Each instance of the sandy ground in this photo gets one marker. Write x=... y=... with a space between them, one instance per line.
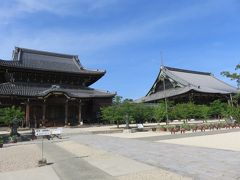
x=19 y=157
x=39 y=173
x=143 y=134
x=67 y=130
x=227 y=141
x=120 y=167
x=137 y=134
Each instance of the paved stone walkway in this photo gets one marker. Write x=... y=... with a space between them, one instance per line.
x=197 y=162
x=39 y=173
x=185 y=135
x=70 y=167
x=120 y=167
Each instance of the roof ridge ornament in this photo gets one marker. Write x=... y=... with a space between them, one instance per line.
x=54 y=86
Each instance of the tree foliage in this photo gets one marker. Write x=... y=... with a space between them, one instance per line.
x=9 y=114
x=233 y=76
x=236 y=114
x=160 y=112
x=217 y=109
x=142 y=112
x=128 y=111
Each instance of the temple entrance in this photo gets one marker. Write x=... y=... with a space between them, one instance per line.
x=55 y=114
x=35 y=116
x=55 y=110
x=73 y=115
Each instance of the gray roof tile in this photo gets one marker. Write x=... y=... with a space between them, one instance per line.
x=37 y=90
x=42 y=60
x=190 y=80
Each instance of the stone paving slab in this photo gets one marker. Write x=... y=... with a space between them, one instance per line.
x=186 y=135
x=226 y=141
x=197 y=162
x=40 y=173
x=71 y=167
x=118 y=166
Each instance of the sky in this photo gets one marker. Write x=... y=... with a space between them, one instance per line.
x=128 y=37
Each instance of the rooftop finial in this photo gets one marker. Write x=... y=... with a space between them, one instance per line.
x=162 y=65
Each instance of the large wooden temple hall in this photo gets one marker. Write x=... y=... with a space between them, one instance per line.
x=181 y=86
x=52 y=88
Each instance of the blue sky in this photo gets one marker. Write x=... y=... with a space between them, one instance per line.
x=125 y=37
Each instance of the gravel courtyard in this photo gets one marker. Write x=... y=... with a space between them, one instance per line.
x=129 y=156
x=19 y=157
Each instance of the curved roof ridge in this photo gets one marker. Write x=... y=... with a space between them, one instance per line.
x=164 y=69
x=105 y=91
x=187 y=71
x=33 y=51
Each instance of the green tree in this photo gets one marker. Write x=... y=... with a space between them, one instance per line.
x=127 y=109
x=236 y=114
x=203 y=112
x=190 y=110
x=218 y=109
x=233 y=76
x=113 y=114
x=236 y=100
x=160 y=112
x=142 y=112
x=8 y=114
x=183 y=111
x=117 y=100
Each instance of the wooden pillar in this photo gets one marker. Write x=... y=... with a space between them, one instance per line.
x=27 y=114
x=231 y=100
x=44 y=113
x=66 y=112
x=80 y=113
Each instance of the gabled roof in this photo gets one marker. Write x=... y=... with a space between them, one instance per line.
x=187 y=80
x=48 y=61
x=40 y=90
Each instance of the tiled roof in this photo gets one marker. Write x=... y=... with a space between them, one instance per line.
x=38 y=90
x=189 y=80
x=201 y=81
x=49 y=61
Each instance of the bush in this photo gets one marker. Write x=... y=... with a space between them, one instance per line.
x=218 y=109
x=160 y=112
x=1 y=140
x=120 y=112
x=236 y=114
x=8 y=114
x=187 y=127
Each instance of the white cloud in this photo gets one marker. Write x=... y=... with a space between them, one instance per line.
x=15 y=9
x=66 y=40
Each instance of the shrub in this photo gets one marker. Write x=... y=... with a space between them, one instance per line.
x=218 y=109
x=8 y=114
x=160 y=112
x=186 y=126
x=1 y=140
x=236 y=114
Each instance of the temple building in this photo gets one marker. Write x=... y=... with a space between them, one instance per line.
x=181 y=86
x=52 y=88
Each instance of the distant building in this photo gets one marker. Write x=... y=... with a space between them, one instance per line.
x=52 y=88
x=187 y=86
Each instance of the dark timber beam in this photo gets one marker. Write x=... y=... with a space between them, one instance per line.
x=66 y=112
x=27 y=113
x=80 y=113
x=44 y=112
